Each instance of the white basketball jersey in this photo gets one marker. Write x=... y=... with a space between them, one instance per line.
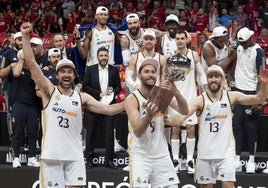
x=216 y=140
x=152 y=144
x=99 y=39
x=62 y=125
x=187 y=86
x=134 y=44
x=168 y=45
x=220 y=54
x=245 y=71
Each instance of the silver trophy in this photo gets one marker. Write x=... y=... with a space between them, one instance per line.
x=177 y=68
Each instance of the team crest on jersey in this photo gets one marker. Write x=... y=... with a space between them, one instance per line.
x=110 y=33
x=224 y=105
x=207 y=107
x=57 y=97
x=75 y=103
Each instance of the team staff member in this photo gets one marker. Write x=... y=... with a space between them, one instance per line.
x=54 y=55
x=97 y=79
x=62 y=160
x=26 y=112
x=216 y=146
x=150 y=161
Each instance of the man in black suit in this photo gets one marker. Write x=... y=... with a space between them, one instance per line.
x=97 y=79
x=58 y=41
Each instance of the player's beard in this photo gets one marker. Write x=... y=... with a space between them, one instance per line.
x=134 y=31
x=148 y=82
x=214 y=89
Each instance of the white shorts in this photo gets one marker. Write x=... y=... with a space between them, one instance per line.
x=55 y=173
x=192 y=120
x=210 y=170
x=157 y=172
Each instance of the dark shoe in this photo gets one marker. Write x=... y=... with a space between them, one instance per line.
x=110 y=164
x=183 y=151
x=89 y=165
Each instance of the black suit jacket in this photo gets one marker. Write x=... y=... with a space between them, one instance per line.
x=91 y=83
x=70 y=53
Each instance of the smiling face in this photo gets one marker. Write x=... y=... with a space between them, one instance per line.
x=214 y=81
x=147 y=76
x=133 y=27
x=65 y=76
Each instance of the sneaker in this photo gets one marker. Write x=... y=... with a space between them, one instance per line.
x=250 y=167
x=238 y=166
x=190 y=167
x=183 y=151
x=118 y=147
x=265 y=171
x=33 y=162
x=126 y=168
x=177 y=169
x=16 y=163
x=176 y=165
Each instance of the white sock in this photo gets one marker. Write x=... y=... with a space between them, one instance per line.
x=252 y=158
x=167 y=133
x=175 y=147
x=183 y=135
x=237 y=158
x=190 y=146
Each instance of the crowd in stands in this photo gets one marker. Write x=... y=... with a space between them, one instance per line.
x=195 y=16
x=61 y=16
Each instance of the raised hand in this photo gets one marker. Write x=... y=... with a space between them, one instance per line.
x=263 y=76
x=26 y=28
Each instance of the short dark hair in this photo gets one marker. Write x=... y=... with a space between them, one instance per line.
x=103 y=48
x=182 y=32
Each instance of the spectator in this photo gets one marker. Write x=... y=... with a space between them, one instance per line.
x=250 y=7
x=224 y=18
x=234 y=8
x=2 y=103
x=116 y=14
x=142 y=13
x=4 y=23
x=264 y=15
x=156 y=16
x=200 y=21
x=55 y=23
x=129 y=8
x=41 y=26
x=247 y=70
x=97 y=80
x=71 y=19
x=184 y=21
x=213 y=18
x=172 y=9
x=241 y=18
